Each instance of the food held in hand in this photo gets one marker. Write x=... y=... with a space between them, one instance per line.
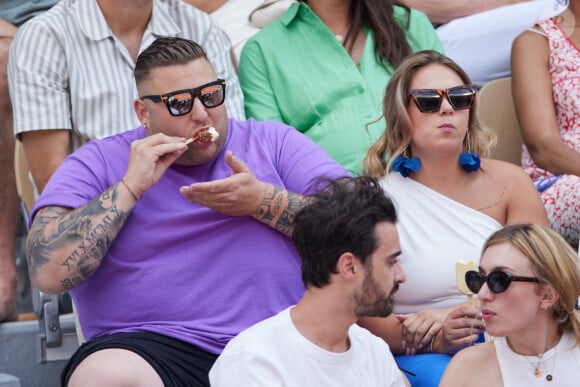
x=462 y=267
x=205 y=136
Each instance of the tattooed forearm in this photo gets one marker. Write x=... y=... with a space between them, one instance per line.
x=278 y=208
x=98 y=239
x=76 y=240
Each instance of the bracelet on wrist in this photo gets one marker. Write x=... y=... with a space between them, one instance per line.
x=130 y=190
x=433 y=343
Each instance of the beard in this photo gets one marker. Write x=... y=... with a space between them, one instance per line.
x=373 y=301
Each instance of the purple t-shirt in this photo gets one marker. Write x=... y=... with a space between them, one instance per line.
x=181 y=269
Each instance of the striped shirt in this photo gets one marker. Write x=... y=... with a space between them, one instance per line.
x=68 y=71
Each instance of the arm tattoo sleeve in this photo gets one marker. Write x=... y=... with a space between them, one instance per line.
x=77 y=240
x=278 y=208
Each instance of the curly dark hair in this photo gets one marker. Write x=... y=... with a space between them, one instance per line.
x=341 y=218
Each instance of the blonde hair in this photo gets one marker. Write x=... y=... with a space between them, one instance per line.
x=553 y=262
x=397 y=135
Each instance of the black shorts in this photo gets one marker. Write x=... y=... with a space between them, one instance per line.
x=178 y=363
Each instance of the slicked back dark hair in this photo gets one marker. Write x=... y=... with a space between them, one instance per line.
x=341 y=218
x=163 y=52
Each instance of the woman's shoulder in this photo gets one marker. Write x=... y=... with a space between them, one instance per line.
x=503 y=169
x=522 y=203
x=476 y=353
x=530 y=38
x=471 y=366
x=508 y=175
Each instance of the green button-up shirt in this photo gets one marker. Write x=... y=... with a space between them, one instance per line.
x=295 y=71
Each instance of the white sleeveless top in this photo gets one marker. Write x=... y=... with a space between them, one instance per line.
x=561 y=362
x=444 y=232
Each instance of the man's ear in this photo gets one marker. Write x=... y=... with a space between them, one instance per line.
x=348 y=265
x=141 y=111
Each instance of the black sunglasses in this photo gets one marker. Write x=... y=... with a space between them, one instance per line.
x=497 y=281
x=180 y=102
x=429 y=100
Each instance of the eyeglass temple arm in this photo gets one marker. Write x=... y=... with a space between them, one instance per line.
x=524 y=279
x=155 y=98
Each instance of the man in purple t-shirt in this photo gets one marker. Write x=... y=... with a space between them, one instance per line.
x=170 y=247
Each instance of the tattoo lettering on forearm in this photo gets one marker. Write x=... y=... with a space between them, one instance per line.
x=92 y=229
x=279 y=207
x=96 y=243
x=69 y=283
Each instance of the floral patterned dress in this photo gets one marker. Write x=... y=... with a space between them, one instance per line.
x=561 y=194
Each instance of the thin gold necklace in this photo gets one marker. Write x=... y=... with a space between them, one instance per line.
x=536 y=367
x=537 y=371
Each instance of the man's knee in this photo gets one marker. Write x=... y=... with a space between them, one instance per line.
x=114 y=367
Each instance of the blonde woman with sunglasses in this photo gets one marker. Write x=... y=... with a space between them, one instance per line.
x=450 y=199
x=528 y=284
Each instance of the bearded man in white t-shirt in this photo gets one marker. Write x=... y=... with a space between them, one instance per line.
x=349 y=246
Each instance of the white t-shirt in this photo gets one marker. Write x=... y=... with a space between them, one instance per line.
x=274 y=353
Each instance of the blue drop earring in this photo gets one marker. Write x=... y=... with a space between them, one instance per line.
x=405 y=165
x=469 y=161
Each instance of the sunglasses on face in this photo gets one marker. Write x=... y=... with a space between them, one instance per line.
x=497 y=281
x=180 y=102
x=429 y=100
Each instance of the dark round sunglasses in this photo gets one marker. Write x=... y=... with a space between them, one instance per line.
x=180 y=102
x=497 y=281
x=429 y=100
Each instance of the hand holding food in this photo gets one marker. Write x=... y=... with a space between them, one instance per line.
x=205 y=136
x=461 y=267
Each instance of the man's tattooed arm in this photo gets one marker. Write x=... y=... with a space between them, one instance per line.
x=66 y=246
x=278 y=208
